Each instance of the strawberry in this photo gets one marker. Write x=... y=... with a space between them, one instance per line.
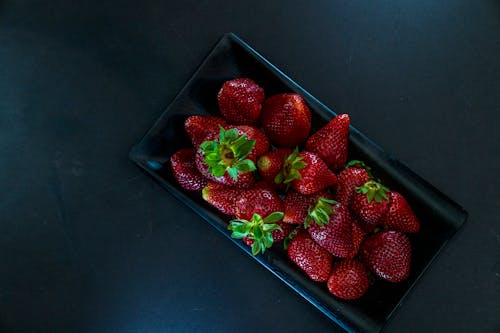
x=278 y=235
x=184 y=170
x=261 y=199
x=331 y=141
x=355 y=174
x=388 y=255
x=334 y=233
x=400 y=216
x=261 y=142
x=225 y=158
x=258 y=229
x=221 y=197
x=270 y=164
x=240 y=101
x=370 y=204
x=314 y=260
x=286 y=120
x=199 y=127
x=348 y=280
x=306 y=173
x=358 y=235
x=297 y=207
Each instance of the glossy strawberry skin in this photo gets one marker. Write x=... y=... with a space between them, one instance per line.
x=221 y=197
x=348 y=280
x=331 y=141
x=286 y=120
x=315 y=176
x=314 y=260
x=369 y=214
x=185 y=171
x=261 y=142
x=347 y=181
x=336 y=235
x=240 y=101
x=271 y=163
x=261 y=199
x=358 y=235
x=199 y=127
x=296 y=205
x=400 y=216
x=388 y=255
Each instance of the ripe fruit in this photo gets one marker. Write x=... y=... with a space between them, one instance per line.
x=335 y=235
x=358 y=235
x=278 y=234
x=297 y=207
x=286 y=120
x=253 y=133
x=310 y=257
x=388 y=255
x=400 y=216
x=355 y=174
x=313 y=177
x=260 y=200
x=185 y=171
x=259 y=229
x=331 y=141
x=224 y=158
x=348 y=280
x=240 y=101
x=370 y=204
x=270 y=164
x=199 y=127
x=221 y=197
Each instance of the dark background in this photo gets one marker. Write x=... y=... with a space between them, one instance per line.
x=88 y=243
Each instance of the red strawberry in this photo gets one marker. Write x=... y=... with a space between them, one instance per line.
x=240 y=101
x=199 y=127
x=298 y=206
x=258 y=231
x=228 y=158
x=358 y=235
x=331 y=141
x=400 y=216
x=278 y=235
x=286 y=120
x=270 y=164
x=388 y=255
x=335 y=234
x=184 y=170
x=313 y=177
x=260 y=199
x=253 y=133
x=348 y=280
x=370 y=204
x=310 y=257
x=355 y=174
x=221 y=197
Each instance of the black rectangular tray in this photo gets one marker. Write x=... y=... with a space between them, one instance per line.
x=231 y=57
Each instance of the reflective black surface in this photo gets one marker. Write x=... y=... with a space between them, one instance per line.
x=88 y=243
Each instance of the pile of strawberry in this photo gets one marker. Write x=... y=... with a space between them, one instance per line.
x=338 y=224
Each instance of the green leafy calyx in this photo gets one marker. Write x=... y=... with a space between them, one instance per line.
x=258 y=229
x=228 y=153
x=320 y=212
x=290 y=236
x=291 y=166
x=373 y=191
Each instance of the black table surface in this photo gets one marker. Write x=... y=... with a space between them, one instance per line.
x=89 y=243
